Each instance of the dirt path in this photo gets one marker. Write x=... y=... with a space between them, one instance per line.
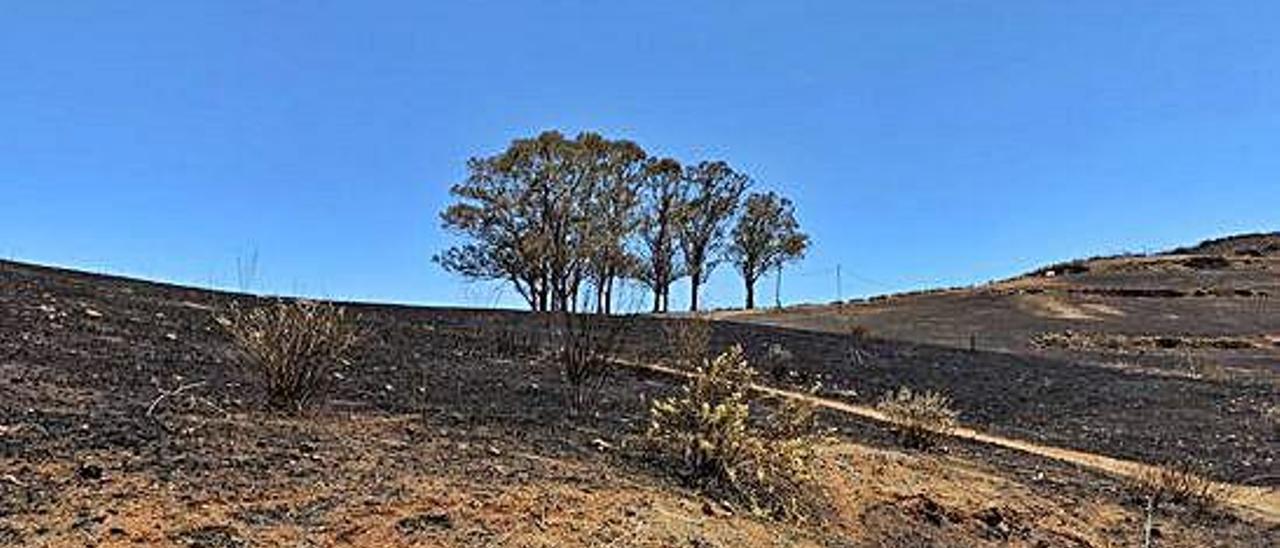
x=1261 y=503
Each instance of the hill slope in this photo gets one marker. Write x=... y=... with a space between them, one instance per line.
x=433 y=438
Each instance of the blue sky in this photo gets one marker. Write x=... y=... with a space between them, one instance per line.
x=925 y=143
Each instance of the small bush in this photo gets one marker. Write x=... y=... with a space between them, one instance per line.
x=778 y=360
x=921 y=419
x=1205 y=368
x=855 y=354
x=1179 y=484
x=688 y=342
x=292 y=347
x=588 y=345
x=708 y=433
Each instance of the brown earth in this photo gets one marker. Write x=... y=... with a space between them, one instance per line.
x=444 y=432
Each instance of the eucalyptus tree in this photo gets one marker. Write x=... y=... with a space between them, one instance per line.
x=766 y=237
x=663 y=197
x=715 y=191
x=519 y=212
x=547 y=215
x=613 y=215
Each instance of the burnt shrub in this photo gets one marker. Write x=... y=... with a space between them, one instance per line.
x=688 y=342
x=1180 y=483
x=588 y=346
x=292 y=347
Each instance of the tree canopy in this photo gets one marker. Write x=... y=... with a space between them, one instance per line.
x=766 y=237
x=552 y=216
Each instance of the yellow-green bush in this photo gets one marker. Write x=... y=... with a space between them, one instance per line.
x=707 y=430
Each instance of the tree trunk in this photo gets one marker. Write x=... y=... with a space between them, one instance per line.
x=600 y=298
x=608 y=296
x=751 y=294
x=693 y=299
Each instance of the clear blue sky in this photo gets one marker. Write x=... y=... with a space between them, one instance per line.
x=925 y=143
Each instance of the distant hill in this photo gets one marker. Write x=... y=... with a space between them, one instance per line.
x=1256 y=245
x=1225 y=287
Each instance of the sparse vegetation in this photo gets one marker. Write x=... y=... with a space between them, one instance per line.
x=1179 y=484
x=688 y=342
x=1205 y=368
x=854 y=352
x=1122 y=343
x=708 y=433
x=588 y=345
x=921 y=419
x=292 y=346
x=778 y=360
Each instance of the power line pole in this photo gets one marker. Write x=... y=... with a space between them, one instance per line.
x=839 y=286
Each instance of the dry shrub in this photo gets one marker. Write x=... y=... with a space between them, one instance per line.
x=1205 y=368
x=855 y=353
x=688 y=342
x=921 y=419
x=766 y=466
x=292 y=347
x=588 y=345
x=1181 y=484
x=777 y=361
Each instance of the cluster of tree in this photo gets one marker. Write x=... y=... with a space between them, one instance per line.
x=562 y=218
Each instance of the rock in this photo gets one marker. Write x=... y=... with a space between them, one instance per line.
x=89 y=472
x=437 y=519
x=715 y=509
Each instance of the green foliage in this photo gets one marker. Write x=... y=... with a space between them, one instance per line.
x=708 y=433
x=552 y=215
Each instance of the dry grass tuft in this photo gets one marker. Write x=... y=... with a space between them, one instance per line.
x=292 y=347
x=921 y=419
x=707 y=431
x=1179 y=484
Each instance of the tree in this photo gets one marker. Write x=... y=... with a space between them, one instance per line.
x=715 y=191
x=521 y=211
x=662 y=202
x=767 y=236
x=497 y=213
x=547 y=215
x=617 y=171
